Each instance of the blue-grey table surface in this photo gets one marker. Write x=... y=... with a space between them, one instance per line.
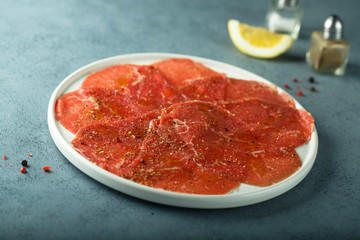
x=41 y=42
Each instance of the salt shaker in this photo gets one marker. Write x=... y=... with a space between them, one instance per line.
x=284 y=16
x=329 y=51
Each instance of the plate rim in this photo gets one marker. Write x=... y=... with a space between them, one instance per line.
x=131 y=188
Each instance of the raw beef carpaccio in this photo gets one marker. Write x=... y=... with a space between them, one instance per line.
x=116 y=92
x=180 y=126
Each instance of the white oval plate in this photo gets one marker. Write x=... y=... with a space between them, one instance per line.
x=245 y=195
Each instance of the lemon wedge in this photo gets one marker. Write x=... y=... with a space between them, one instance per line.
x=258 y=42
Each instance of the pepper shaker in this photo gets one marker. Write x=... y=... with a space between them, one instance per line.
x=329 y=51
x=284 y=16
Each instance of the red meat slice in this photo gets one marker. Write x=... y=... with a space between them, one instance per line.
x=95 y=105
x=210 y=89
x=243 y=89
x=92 y=104
x=270 y=164
x=114 y=146
x=272 y=123
x=181 y=71
x=117 y=76
x=145 y=83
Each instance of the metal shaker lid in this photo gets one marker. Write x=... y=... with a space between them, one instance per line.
x=288 y=3
x=333 y=28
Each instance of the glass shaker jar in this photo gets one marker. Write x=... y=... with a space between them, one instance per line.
x=329 y=50
x=284 y=16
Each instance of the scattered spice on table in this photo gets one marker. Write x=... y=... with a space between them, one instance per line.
x=24 y=164
x=300 y=93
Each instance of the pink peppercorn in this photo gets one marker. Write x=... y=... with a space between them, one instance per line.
x=46 y=168
x=300 y=93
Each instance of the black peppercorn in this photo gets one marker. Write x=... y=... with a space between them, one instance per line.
x=24 y=163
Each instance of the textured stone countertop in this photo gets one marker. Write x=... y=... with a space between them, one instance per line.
x=42 y=42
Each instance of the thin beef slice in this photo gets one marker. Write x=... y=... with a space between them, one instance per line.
x=181 y=71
